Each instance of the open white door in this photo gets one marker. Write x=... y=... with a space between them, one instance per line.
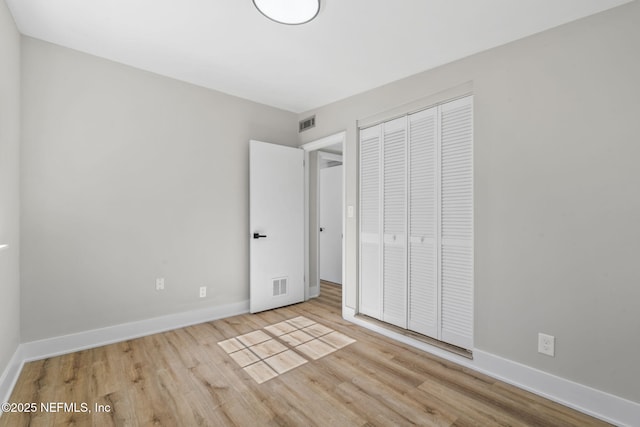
x=276 y=225
x=331 y=224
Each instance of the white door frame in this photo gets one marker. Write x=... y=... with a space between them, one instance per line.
x=337 y=138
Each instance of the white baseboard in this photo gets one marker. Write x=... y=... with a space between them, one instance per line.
x=599 y=404
x=605 y=406
x=314 y=292
x=10 y=376
x=50 y=347
x=348 y=313
x=56 y=346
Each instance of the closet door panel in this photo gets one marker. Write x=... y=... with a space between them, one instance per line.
x=370 y=182
x=457 y=222
x=394 y=219
x=422 y=316
x=416 y=222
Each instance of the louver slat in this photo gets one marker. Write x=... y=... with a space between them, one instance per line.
x=457 y=223
x=394 y=223
x=423 y=287
x=370 y=221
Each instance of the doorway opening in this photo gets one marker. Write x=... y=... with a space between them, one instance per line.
x=330 y=217
x=328 y=155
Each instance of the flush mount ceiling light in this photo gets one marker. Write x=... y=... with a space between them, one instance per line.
x=290 y=12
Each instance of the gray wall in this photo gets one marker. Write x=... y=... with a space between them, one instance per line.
x=9 y=186
x=557 y=237
x=128 y=176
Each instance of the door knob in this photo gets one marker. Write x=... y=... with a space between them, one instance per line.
x=321 y=229
x=258 y=235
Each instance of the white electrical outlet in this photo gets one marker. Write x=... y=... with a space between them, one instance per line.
x=160 y=284
x=203 y=291
x=546 y=344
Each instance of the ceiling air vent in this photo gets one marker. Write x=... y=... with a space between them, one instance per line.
x=308 y=123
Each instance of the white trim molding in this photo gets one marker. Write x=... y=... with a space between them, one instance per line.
x=56 y=346
x=10 y=375
x=607 y=407
x=599 y=404
x=327 y=141
x=50 y=347
x=317 y=145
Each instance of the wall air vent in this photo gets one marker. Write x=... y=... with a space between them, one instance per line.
x=279 y=286
x=308 y=123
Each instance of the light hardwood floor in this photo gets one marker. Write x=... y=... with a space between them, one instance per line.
x=184 y=378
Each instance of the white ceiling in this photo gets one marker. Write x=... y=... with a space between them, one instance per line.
x=352 y=46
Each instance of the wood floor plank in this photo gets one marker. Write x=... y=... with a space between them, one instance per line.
x=184 y=378
x=385 y=394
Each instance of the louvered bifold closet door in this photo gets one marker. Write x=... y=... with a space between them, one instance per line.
x=370 y=266
x=422 y=315
x=394 y=219
x=457 y=223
